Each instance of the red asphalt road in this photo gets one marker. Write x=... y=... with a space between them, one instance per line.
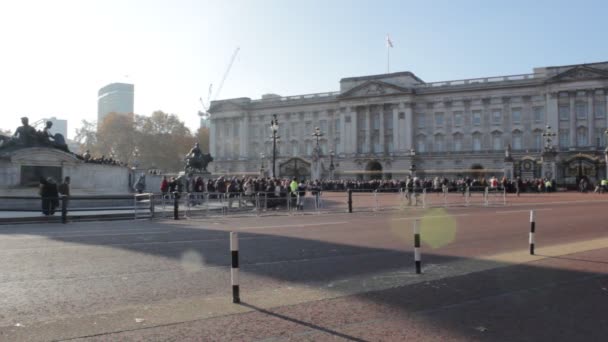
x=554 y=299
x=559 y=299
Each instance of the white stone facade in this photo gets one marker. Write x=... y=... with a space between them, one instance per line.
x=375 y=122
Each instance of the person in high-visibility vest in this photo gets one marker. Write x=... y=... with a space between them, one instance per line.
x=293 y=186
x=604 y=184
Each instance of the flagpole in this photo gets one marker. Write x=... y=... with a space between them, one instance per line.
x=388 y=58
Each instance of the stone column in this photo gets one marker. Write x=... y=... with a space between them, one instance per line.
x=354 y=130
x=342 y=134
x=381 y=130
x=396 y=131
x=409 y=126
x=244 y=136
x=212 y=136
x=590 y=119
x=572 y=97
x=552 y=115
x=368 y=143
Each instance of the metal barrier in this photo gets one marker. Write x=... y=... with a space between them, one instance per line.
x=136 y=206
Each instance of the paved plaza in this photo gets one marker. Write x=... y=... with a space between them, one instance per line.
x=331 y=276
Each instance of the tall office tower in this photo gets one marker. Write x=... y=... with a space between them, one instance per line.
x=114 y=98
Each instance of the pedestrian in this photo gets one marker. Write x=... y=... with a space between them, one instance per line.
x=49 y=195
x=64 y=187
x=164 y=186
x=301 y=194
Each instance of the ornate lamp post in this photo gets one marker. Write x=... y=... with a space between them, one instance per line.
x=317 y=134
x=413 y=166
x=331 y=164
x=548 y=136
x=274 y=128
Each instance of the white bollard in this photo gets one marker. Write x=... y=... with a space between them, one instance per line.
x=532 y=231
x=417 y=256
x=234 y=270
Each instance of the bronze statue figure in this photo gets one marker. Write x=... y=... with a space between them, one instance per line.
x=196 y=160
x=27 y=136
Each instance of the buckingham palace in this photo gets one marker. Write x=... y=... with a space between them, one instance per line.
x=550 y=123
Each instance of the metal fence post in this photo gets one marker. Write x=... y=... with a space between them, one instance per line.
x=176 y=205
x=151 y=205
x=350 y=201
x=64 y=209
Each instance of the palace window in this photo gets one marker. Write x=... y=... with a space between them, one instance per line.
x=308 y=147
x=564 y=138
x=294 y=128
x=439 y=143
x=457 y=119
x=295 y=148
x=476 y=118
x=600 y=109
x=581 y=136
x=516 y=116
x=420 y=144
x=308 y=129
x=323 y=126
x=564 y=112
x=496 y=117
x=420 y=120
x=538 y=114
x=438 y=119
x=496 y=141
x=457 y=142
x=538 y=139
x=517 y=140
x=337 y=127
x=600 y=137
x=477 y=142
x=581 y=110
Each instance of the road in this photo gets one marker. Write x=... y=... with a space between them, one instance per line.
x=326 y=277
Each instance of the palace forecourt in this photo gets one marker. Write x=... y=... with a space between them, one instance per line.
x=550 y=123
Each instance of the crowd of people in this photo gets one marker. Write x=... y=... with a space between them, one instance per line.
x=87 y=158
x=283 y=186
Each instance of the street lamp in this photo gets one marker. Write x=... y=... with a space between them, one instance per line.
x=274 y=128
x=317 y=134
x=331 y=164
x=413 y=166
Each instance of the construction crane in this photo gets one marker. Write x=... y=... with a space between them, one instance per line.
x=205 y=112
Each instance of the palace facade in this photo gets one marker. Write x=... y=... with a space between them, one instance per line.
x=388 y=125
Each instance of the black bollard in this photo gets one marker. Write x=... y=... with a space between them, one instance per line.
x=350 y=201
x=176 y=206
x=64 y=209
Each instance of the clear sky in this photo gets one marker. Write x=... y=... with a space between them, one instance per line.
x=55 y=55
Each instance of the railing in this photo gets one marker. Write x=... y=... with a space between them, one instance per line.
x=483 y=80
x=135 y=206
x=297 y=97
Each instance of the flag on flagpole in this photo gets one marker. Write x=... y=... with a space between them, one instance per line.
x=389 y=43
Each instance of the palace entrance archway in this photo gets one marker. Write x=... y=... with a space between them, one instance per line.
x=295 y=168
x=373 y=170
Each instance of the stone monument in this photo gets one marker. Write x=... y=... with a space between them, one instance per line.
x=30 y=155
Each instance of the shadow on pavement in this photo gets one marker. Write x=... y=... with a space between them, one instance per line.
x=533 y=299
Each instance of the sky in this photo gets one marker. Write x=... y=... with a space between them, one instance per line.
x=55 y=55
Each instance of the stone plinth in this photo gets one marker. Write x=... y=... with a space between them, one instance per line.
x=45 y=162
